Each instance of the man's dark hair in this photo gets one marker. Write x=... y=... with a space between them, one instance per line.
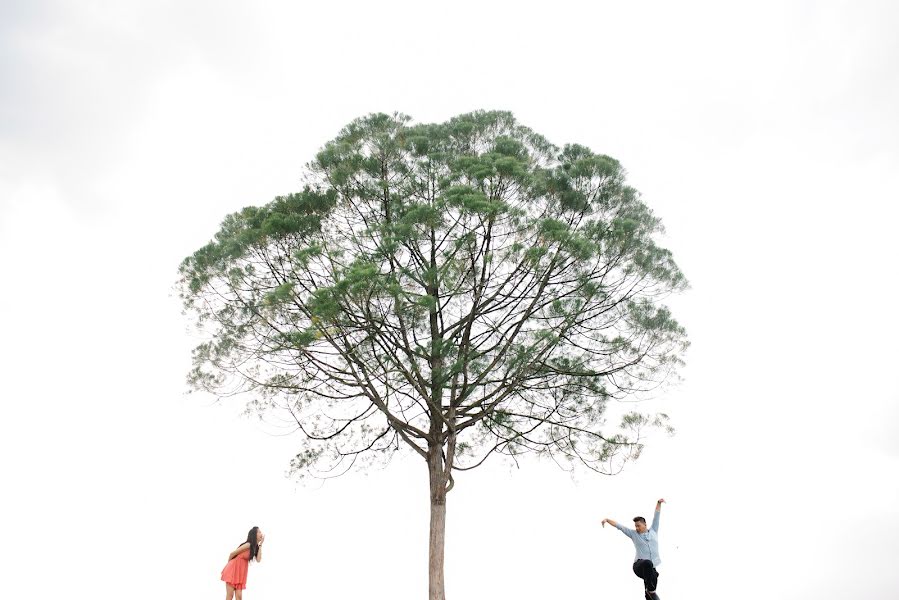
x=640 y=520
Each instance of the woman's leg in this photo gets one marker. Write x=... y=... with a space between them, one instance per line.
x=239 y=594
x=229 y=591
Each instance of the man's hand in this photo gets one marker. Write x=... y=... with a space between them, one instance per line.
x=661 y=501
x=610 y=522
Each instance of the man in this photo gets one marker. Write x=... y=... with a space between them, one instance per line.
x=646 y=541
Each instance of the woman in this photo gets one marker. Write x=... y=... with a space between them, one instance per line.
x=235 y=572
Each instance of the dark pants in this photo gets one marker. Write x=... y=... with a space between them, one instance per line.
x=644 y=570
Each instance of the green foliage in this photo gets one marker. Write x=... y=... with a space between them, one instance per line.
x=464 y=283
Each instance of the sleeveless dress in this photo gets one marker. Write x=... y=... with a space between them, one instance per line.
x=235 y=572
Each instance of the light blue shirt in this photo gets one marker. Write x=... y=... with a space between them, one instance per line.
x=647 y=544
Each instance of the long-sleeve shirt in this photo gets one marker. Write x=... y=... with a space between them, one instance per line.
x=647 y=544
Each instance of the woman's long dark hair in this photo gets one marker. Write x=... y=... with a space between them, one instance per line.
x=254 y=546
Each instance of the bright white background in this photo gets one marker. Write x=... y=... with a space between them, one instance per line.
x=765 y=134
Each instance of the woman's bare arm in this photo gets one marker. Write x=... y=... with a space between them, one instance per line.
x=240 y=549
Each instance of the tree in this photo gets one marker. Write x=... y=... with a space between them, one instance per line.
x=460 y=289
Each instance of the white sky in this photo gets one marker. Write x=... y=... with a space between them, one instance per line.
x=766 y=137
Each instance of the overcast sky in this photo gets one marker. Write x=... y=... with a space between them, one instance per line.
x=766 y=137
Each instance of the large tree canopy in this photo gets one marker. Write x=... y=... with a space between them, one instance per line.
x=465 y=285
x=463 y=289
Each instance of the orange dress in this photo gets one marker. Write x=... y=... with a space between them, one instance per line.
x=235 y=572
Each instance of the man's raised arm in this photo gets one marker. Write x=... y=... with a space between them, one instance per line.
x=656 y=514
x=628 y=532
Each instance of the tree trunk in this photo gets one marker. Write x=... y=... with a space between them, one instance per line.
x=438 y=525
